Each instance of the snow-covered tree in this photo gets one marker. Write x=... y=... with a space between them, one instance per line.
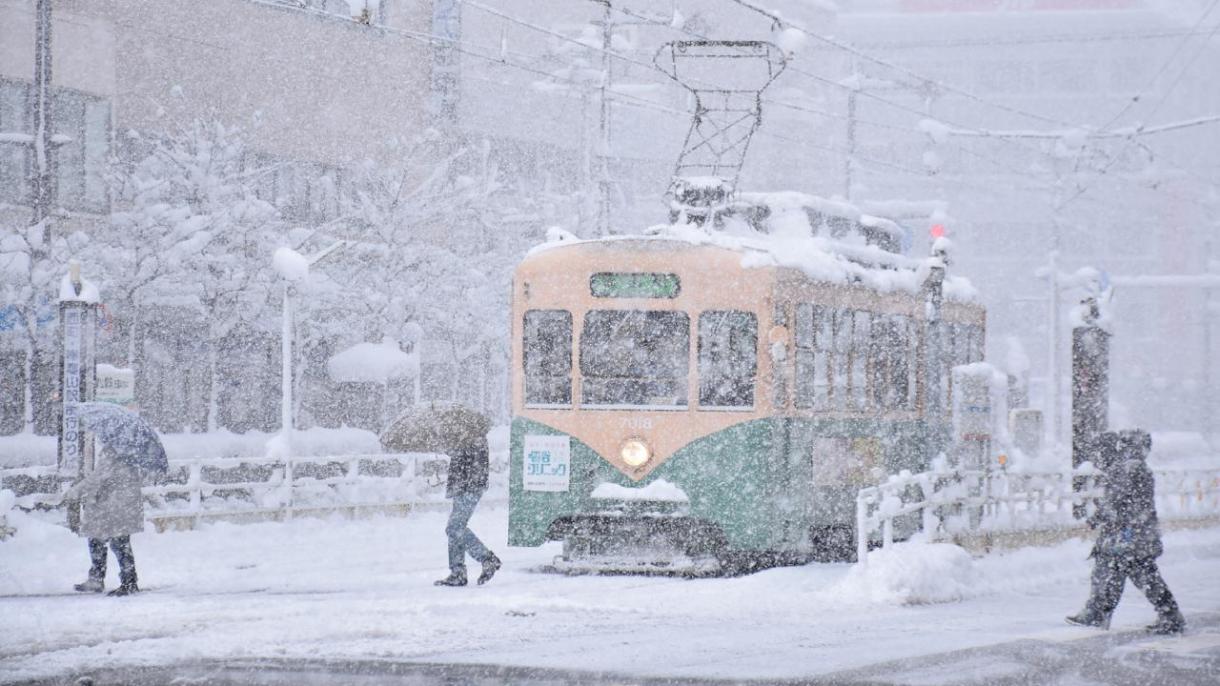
x=33 y=260
x=426 y=253
x=194 y=228
x=408 y=222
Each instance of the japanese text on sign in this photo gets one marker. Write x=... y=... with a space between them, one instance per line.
x=547 y=463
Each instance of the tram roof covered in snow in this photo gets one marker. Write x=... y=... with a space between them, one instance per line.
x=791 y=244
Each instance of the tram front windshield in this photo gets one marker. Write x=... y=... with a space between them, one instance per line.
x=635 y=358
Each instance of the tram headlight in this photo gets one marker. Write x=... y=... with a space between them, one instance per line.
x=635 y=452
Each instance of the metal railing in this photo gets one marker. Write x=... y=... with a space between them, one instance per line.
x=946 y=504
x=231 y=487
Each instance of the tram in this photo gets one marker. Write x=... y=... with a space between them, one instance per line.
x=698 y=400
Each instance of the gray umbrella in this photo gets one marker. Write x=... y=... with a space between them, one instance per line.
x=128 y=435
x=436 y=428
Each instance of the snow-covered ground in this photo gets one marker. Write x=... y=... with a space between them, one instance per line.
x=362 y=590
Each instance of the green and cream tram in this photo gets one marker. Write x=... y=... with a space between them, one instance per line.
x=680 y=402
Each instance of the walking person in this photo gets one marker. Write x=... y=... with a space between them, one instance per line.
x=1128 y=536
x=467 y=481
x=111 y=509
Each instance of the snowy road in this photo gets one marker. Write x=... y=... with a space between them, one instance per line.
x=360 y=593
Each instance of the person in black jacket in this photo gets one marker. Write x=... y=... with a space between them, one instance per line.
x=1128 y=536
x=467 y=482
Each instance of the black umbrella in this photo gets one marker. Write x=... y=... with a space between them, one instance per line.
x=437 y=428
x=126 y=434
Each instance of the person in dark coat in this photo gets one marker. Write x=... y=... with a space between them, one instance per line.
x=1128 y=536
x=468 y=467
x=111 y=509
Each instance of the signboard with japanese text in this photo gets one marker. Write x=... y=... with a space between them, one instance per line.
x=547 y=463
x=116 y=385
x=77 y=383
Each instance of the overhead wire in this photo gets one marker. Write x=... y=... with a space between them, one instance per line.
x=1081 y=190
x=780 y=21
x=867 y=94
x=500 y=59
x=1164 y=66
x=656 y=106
x=910 y=73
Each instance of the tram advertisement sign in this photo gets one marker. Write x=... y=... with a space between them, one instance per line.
x=548 y=462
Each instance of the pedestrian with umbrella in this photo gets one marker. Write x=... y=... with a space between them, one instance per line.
x=108 y=499
x=460 y=433
x=1128 y=536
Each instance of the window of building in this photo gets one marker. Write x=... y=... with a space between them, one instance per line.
x=635 y=358
x=80 y=161
x=547 y=354
x=728 y=358
x=302 y=191
x=13 y=185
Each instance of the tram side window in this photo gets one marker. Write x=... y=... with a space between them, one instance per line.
x=892 y=357
x=635 y=358
x=814 y=350
x=842 y=359
x=728 y=358
x=975 y=350
x=914 y=330
x=861 y=348
x=548 y=357
x=948 y=357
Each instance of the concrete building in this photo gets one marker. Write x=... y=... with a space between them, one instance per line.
x=317 y=89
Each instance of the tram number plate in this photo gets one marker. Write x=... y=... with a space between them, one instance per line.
x=547 y=463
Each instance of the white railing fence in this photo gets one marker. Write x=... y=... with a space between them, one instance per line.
x=233 y=487
x=947 y=504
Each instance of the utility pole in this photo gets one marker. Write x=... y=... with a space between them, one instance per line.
x=603 y=209
x=1052 y=381
x=40 y=106
x=850 y=163
x=1211 y=312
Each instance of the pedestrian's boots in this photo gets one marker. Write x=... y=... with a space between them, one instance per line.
x=1172 y=624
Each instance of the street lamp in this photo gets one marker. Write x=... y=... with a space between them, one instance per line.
x=294 y=268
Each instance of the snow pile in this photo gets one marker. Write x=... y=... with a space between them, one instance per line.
x=88 y=293
x=657 y=491
x=372 y=363
x=290 y=264
x=277 y=447
x=791 y=40
x=307 y=442
x=1180 y=449
x=8 y=500
x=27 y=450
x=911 y=573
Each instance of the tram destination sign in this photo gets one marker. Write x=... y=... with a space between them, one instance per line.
x=634 y=285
